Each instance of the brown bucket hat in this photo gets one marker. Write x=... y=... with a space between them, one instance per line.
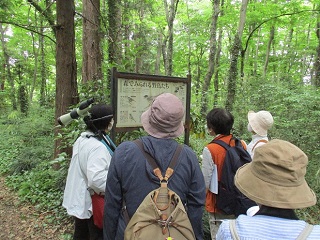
x=275 y=177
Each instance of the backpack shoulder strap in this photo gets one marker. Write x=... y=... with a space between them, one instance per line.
x=233 y=230
x=305 y=232
x=226 y=146
x=150 y=159
x=222 y=144
x=173 y=162
x=154 y=165
x=261 y=140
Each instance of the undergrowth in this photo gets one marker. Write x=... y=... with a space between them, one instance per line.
x=26 y=161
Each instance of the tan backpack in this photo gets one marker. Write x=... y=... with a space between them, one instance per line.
x=161 y=215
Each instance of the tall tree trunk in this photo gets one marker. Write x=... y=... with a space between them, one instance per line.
x=8 y=69
x=305 y=64
x=138 y=56
x=211 y=60
x=114 y=38
x=291 y=55
x=43 y=83
x=3 y=77
x=283 y=71
x=157 y=62
x=316 y=81
x=127 y=28
x=35 y=51
x=66 y=70
x=91 y=52
x=216 y=74
x=197 y=78
x=235 y=50
x=217 y=61
x=256 y=57
x=139 y=40
x=171 y=11
x=271 y=38
x=189 y=40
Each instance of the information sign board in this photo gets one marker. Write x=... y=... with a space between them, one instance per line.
x=135 y=96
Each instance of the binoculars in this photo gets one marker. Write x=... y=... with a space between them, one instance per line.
x=81 y=111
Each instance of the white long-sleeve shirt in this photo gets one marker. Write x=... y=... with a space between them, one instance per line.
x=88 y=169
x=209 y=171
x=266 y=227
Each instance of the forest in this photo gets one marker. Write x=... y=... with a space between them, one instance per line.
x=240 y=54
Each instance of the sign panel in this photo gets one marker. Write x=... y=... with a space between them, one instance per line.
x=134 y=96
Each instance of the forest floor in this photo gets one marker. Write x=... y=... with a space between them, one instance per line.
x=19 y=221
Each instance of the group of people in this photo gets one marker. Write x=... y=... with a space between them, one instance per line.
x=274 y=179
x=219 y=126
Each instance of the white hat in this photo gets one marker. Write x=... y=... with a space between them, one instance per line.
x=260 y=122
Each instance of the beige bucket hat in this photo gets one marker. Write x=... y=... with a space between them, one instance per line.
x=260 y=121
x=164 y=118
x=275 y=177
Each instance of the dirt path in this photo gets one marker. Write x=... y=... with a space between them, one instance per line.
x=21 y=222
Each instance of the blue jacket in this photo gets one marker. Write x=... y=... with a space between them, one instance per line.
x=131 y=176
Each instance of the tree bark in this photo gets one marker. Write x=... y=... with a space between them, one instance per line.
x=217 y=61
x=8 y=69
x=283 y=71
x=216 y=74
x=316 y=81
x=66 y=84
x=211 y=60
x=235 y=50
x=114 y=29
x=138 y=37
x=126 y=26
x=305 y=64
x=271 y=38
x=171 y=11
x=3 y=77
x=157 y=62
x=256 y=57
x=35 y=51
x=43 y=70
x=197 y=78
x=91 y=52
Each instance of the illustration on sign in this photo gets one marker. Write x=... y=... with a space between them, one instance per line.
x=135 y=96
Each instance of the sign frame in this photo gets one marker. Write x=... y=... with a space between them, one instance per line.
x=117 y=77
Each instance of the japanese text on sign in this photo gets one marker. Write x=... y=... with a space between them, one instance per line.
x=135 y=96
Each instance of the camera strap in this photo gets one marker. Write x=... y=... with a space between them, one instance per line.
x=106 y=140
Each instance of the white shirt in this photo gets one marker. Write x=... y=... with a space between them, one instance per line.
x=88 y=169
x=267 y=228
x=209 y=170
x=255 y=139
